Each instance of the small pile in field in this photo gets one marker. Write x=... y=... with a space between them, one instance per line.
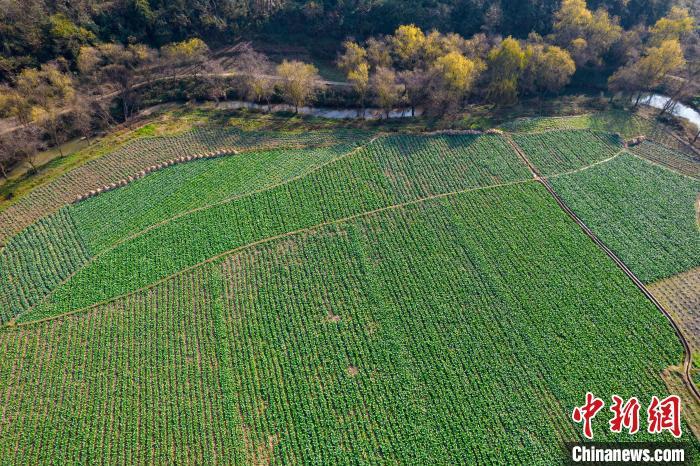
x=635 y=141
x=152 y=168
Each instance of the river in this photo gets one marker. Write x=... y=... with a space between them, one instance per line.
x=325 y=112
x=679 y=110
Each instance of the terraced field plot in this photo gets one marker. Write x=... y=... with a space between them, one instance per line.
x=141 y=153
x=680 y=294
x=645 y=213
x=410 y=299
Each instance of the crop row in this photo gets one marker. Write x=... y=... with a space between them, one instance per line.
x=346 y=187
x=680 y=294
x=171 y=192
x=559 y=151
x=34 y=262
x=142 y=153
x=153 y=168
x=418 y=166
x=644 y=213
x=137 y=381
x=416 y=335
x=679 y=161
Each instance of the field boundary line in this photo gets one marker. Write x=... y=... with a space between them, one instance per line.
x=229 y=151
x=205 y=207
x=259 y=242
x=640 y=157
x=244 y=195
x=687 y=353
x=587 y=167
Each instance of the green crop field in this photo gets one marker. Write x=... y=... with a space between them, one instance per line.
x=406 y=335
x=557 y=151
x=645 y=213
x=338 y=296
x=368 y=179
x=679 y=161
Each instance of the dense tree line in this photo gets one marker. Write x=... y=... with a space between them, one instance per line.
x=438 y=72
x=36 y=31
x=90 y=83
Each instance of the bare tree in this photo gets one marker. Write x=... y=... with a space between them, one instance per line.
x=416 y=87
x=84 y=116
x=217 y=88
x=118 y=69
x=385 y=89
x=8 y=153
x=23 y=146
x=255 y=81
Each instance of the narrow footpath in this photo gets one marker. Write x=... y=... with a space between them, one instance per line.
x=688 y=355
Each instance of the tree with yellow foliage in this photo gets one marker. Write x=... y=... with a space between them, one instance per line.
x=354 y=63
x=299 y=82
x=359 y=78
x=505 y=64
x=548 y=68
x=650 y=70
x=353 y=55
x=676 y=25
x=407 y=44
x=454 y=76
x=457 y=72
x=193 y=53
x=585 y=34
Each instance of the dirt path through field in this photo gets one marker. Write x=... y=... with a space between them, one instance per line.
x=688 y=355
x=258 y=243
x=224 y=201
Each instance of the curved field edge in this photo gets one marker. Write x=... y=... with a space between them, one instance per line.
x=643 y=212
x=32 y=265
x=680 y=294
x=400 y=169
x=400 y=336
x=565 y=150
x=141 y=153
